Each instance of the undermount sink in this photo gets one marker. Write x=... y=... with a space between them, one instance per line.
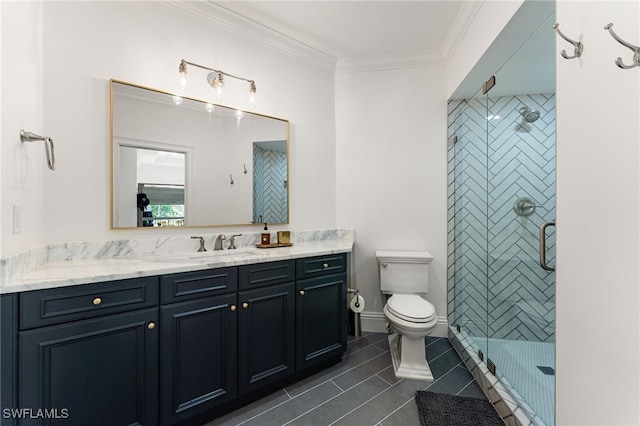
x=240 y=252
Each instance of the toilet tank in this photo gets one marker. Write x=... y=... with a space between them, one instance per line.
x=404 y=272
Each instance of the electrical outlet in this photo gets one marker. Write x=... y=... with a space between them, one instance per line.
x=17 y=218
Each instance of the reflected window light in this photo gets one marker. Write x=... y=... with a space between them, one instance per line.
x=177 y=100
x=493 y=117
x=209 y=107
x=239 y=114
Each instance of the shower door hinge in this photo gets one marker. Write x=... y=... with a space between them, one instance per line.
x=491 y=366
x=458 y=328
x=480 y=355
x=489 y=84
x=452 y=141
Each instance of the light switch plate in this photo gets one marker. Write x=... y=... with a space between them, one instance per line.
x=17 y=218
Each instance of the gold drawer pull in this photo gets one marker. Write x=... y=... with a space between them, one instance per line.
x=151 y=325
x=301 y=292
x=325 y=265
x=97 y=301
x=245 y=305
x=233 y=307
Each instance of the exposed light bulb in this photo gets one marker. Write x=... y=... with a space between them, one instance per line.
x=177 y=100
x=182 y=71
x=182 y=82
x=252 y=94
x=209 y=107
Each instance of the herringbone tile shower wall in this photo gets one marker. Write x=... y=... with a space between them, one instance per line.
x=269 y=185
x=496 y=286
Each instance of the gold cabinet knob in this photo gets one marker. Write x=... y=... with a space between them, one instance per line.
x=301 y=292
x=97 y=301
x=325 y=265
x=245 y=305
x=151 y=325
x=233 y=307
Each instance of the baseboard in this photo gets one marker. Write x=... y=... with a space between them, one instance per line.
x=376 y=322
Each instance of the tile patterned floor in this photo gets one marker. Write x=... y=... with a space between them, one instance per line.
x=359 y=391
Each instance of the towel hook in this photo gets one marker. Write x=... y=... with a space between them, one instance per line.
x=577 y=46
x=636 y=50
x=48 y=146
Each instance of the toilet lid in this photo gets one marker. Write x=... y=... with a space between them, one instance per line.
x=411 y=307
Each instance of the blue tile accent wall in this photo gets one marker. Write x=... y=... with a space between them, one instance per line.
x=269 y=185
x=496 y=287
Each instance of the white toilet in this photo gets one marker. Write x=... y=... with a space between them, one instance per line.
x=405 y=276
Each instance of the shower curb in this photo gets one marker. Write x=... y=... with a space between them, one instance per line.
x=507 y=402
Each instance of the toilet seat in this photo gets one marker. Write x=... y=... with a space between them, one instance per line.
x=411 y=308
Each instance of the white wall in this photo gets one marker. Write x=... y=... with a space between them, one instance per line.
x=392 y=174
x=598 y=197
x=23 y=165
x=86 y=44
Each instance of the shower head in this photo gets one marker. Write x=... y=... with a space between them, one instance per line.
x=530 y=115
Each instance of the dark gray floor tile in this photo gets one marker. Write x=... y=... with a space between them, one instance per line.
x=358 y=343
x=251 y=410
x=363 y=371
x=436 y=347
x=443 y=363
x=295 y=407
x=347 y=363
x=407 y=415
x=379 y=407
x=346 y=402
x=473 y=390
x=389 y=375
x=453 y=381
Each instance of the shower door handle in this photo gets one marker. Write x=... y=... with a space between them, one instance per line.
x=543 y=245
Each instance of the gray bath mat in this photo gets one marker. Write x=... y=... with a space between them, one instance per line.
x=437 y=409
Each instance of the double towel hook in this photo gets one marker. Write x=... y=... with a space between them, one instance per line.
x=635 y=49
x=577 y=46
x=48 y=146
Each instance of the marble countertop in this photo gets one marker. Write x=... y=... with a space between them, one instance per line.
x=62 y=273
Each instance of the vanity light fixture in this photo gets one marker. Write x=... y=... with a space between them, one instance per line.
x=215 y=79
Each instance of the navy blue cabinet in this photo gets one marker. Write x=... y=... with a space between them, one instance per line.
x=199 y=361
x=266 y=336
x=9 y=362
x=321 y=331
x=175 y=349
x=100 y=371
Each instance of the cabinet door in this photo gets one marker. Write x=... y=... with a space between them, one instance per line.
x=321 y=310
x=266 y=335
x=102 y=371
x=198 y=356
x=9 y=352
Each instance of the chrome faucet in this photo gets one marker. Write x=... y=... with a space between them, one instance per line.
x=201 y=243
x=232 y=241
x=218 y=243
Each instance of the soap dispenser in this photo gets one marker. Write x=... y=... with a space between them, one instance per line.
x=266 y=236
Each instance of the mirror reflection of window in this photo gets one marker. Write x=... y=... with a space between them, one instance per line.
x=160 y=176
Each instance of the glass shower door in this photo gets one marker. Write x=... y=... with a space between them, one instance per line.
x=468 y=181
x=521 y=198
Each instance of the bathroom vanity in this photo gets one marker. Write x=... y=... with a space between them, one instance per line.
x=174 y=348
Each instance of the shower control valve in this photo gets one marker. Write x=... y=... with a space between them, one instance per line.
x=524 y=206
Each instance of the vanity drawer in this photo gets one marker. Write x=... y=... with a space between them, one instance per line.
x=321 y=265
x=195 y=285
x=262 y=274
x=45 y=307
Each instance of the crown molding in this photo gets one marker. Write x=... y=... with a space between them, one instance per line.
x=215 y=14
x=389 y=62
x=461 y=24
